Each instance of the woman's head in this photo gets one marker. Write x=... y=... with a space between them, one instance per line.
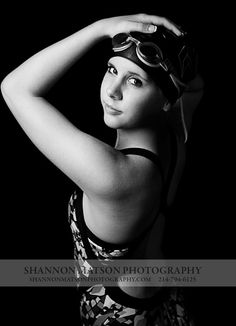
x=170 y=60
x=130 y=98
x=165 y=62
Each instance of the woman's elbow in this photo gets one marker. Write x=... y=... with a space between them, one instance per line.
x=8 y=85
x=12 y=86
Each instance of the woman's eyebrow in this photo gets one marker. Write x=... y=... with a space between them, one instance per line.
x=109 y=63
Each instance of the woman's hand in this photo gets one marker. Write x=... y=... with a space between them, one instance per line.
x=141 y=23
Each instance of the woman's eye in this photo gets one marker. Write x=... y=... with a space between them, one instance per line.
x=136 y=82
x=111 y=70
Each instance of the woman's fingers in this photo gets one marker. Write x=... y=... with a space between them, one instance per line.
x=134 y=26
x=145 y=23
x=141 y=23
x=168 y=24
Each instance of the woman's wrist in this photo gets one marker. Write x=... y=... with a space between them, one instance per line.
x=101 y=29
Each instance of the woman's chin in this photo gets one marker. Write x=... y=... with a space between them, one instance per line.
x=111 y=122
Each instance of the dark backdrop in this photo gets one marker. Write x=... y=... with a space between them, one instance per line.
x=34 y=193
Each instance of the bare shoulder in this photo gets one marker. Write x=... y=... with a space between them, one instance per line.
x=96 y=167
x=133 y=199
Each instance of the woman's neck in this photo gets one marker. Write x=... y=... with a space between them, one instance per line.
x=144 y=138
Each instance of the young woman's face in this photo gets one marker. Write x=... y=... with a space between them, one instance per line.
x=130 y=99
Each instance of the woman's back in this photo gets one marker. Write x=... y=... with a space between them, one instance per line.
x=150 y=187
x=120 y=219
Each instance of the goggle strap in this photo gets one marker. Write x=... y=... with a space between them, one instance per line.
x=183 y=119
x=177 y=83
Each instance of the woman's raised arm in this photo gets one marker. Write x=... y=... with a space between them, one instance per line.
x=90 y=163
x=44 y=68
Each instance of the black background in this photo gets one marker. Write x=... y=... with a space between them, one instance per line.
x=34 y=194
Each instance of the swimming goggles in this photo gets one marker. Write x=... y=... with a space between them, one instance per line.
x=147 y=52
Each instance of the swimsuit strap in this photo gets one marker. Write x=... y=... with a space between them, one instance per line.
x=145 y=153
x=164 y=208
x=173 y=162
x=155 y=159
x=82 y=225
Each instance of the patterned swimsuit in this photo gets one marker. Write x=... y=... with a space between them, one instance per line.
x=109 y=305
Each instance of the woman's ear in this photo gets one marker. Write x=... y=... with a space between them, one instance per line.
x=166 y=107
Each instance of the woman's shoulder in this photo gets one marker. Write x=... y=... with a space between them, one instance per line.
x=141 y=171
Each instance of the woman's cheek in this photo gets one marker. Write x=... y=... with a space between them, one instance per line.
x=102 y=88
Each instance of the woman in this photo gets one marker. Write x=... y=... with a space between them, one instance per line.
x=118 y=211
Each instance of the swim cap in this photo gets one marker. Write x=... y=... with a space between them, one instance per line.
x=170 y=60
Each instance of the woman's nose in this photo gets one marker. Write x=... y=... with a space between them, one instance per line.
x=114 y=91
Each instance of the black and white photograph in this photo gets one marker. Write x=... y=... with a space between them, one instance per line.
x=116 y=147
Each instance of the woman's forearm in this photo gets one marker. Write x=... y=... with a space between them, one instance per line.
x=44 y=68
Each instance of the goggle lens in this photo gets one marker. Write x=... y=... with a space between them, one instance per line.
x=121 y=42
x=148 y=52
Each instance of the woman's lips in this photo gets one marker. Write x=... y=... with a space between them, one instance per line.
x=111 y=110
